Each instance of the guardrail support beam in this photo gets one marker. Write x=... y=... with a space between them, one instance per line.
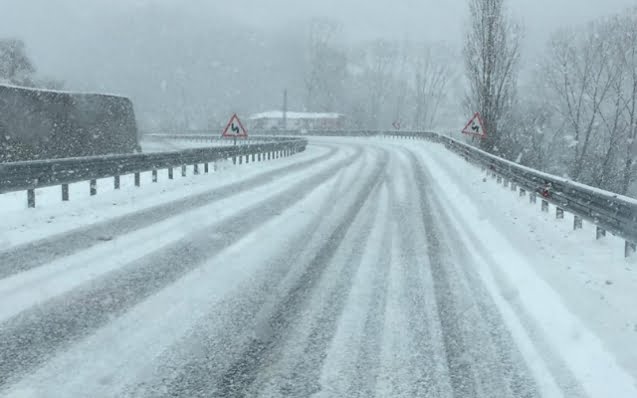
x=196 y=168
x=545 y=206
x=116 y=182
x=559 y=213
x=31 y=198
x=170 y=173
x=155 y=175
x=629 y=249
x=206 y=168
x=600 y=233
x=183 y=170
x=65 y=192
x=93 y=185
x=138 y=180
x=577 y=222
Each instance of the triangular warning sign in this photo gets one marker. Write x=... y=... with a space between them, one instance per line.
x=234 y=128
x=475 y=126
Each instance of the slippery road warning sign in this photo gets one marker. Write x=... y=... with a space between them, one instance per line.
x=234 y=128
x=475 y=126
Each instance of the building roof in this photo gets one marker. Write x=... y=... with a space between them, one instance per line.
x=294 y=115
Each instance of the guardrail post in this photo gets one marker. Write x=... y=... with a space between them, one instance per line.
x=559 y=213
x=196 y=168
x=545 y=206
x=514 y=186
x=137 y=180
x=259 y=156
x=629 y=249
x=522 y=192
x=506 y=183
x=170 y=173
x=205 y=168
x=154 y=175
x=31 y=198
x=532 y=197
x=183 y=170
x=65 y=192
x=253 y=157
x=234 y=160
x=269 y=155
x=116 y=182
x=499 y=180
x=240 y=159
x=577 y=222
x=93 y=185
x=600 y=233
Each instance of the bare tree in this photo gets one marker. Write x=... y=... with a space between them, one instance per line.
x=15 y=65
x=381 y=58
x=401 y=81
x=431 y=77
x=492 y=53
x=327 y=66
x=580 y=72
x=628 y=59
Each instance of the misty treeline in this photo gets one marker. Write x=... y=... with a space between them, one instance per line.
x=17 y=68
x=577 y=115
x=377 y=84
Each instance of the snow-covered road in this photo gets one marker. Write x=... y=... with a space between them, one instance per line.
x=355 y=269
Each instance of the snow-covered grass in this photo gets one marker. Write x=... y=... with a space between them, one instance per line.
x=580 y=291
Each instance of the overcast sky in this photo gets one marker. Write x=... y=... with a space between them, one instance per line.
x=137 y=47
x=43 y=22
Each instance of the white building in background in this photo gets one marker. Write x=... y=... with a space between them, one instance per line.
x=274 y=120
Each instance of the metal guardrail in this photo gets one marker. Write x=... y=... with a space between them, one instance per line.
x=20 y=176
x=607 y=210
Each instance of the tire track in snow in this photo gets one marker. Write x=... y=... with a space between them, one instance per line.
x=34 y=335
x=194 y=365
x=413 y=337
x=34 y=254
x=502 y=373
x=296 y=365
x=239 y=378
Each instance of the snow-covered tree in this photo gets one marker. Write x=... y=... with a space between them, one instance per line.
x=15 y=65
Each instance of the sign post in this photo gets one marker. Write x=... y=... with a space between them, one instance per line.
x=234 y=129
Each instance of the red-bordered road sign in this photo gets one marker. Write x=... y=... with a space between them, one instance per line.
x=475 y=127
x=235 y=128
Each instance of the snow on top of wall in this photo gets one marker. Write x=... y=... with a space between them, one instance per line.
x=46 y=90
